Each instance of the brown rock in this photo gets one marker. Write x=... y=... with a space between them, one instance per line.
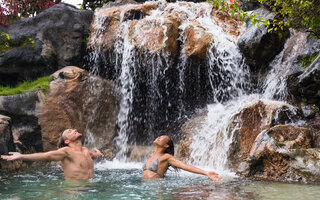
x=81 y=101
x=107 y=20
x=188 y=130
x=251 y=121
x=154 y=35
x=233 y=26
x=281 y=153
x=197 y=40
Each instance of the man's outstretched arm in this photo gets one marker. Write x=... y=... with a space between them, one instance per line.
x=57 y=155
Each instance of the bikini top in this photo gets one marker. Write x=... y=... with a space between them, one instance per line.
x=152 y=167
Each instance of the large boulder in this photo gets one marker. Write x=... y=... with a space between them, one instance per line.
x=197 y=40
x=155 y=36
x=248 y=123
x=247 y=5
x=189 y=129
x=23 y=110
x=257 y=44
x=59 y=38
x=107 y=20
x=82 y=101
x=305 y=85
x=284 y=152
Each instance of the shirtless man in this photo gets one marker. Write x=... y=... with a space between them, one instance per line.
x=76 y=160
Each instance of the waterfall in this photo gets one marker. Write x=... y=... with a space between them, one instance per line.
x=215 y=136
x=275 y=85
x=157 y=90
x=162 y=81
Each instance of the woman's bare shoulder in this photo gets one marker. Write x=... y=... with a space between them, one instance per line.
x=166 y=156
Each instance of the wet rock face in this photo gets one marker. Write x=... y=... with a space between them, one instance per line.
x=6 y=139
x=188 y=130
x=257 y=45
x=154 y=35
x=283 y=152
x=59 y=35
x=6 y=144
x=107 y=20
x=150 y=36
x=197 y=41
x=247 y=5
x=250 y=122
x=23 y=111
x=304 y=84
x=81 y=101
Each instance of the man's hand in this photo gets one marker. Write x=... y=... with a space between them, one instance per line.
x=98 y=152
x=214 y=176
x=14 y=156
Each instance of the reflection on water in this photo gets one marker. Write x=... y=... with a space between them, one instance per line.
x=48 y=183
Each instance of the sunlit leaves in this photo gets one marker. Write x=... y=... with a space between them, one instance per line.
x=300 y=14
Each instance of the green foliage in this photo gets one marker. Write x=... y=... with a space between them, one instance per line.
x=41 y=83
x=299 y=14
x=304 y=99
x=307 y=60
x=233 y=7
x=7 y=43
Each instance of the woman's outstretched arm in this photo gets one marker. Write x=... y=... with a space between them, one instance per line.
x=179 y=164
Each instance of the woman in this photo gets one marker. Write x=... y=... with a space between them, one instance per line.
x=162 y=158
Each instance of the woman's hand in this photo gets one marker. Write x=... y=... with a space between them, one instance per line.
x=214 y=176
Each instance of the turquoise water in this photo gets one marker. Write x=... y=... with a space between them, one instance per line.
x=126 y=183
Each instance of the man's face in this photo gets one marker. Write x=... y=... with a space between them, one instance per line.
x=72 y=134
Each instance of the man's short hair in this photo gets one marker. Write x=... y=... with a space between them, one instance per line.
x=61 y=142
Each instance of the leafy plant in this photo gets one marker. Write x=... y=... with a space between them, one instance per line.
x=299 y=14
x=41 y=83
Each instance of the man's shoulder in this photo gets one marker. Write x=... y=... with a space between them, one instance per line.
x=64 y=149
x=85 y=149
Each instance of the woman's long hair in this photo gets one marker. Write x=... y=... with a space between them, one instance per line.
x=170 y=150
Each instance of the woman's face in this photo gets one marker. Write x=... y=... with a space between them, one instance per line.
x=161 y=141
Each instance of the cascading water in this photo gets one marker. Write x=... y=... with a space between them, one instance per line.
x=275 y=85
x=160 y=84
x=157 y=90
x=214 y=138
